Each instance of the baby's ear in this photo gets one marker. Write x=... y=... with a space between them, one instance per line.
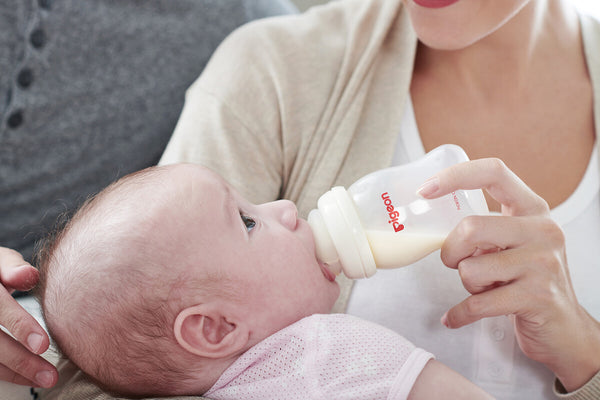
x=203 y=330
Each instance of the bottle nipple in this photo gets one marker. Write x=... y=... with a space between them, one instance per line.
x=324 y=247
x=340 y=239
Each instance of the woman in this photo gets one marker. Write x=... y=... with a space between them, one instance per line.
x=321 y=99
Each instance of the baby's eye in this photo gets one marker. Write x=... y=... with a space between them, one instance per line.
x=248 y=222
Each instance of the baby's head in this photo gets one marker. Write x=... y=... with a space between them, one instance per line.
x=162 y=280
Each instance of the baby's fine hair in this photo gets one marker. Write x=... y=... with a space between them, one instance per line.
x=108 y=299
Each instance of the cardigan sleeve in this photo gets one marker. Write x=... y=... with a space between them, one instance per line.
x=589 y=391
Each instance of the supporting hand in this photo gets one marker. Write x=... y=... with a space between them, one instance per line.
x=20 y=362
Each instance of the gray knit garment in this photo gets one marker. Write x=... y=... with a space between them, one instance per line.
x=91 y=90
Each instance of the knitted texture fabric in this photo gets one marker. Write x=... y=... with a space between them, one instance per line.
x=333 y=356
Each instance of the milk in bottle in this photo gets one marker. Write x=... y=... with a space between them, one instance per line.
x=380 y=221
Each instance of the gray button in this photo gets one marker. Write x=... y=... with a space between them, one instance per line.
x=45 y=4
x=25 y=78
x=15 y=119
x=38 y=38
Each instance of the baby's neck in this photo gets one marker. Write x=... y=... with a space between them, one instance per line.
x=209 y=374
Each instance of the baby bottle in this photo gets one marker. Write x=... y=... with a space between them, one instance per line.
x=380 y=221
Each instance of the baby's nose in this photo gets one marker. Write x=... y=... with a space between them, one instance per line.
x=288 y=214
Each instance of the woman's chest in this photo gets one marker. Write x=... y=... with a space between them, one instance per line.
x=546 y=137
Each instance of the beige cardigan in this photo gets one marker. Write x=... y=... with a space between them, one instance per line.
x=291 y=106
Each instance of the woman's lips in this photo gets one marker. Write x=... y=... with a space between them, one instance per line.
x=435 y=3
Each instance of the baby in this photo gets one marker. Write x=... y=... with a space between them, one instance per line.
x=168 y=282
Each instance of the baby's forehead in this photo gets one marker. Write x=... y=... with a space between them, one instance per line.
x=192 y=175
x=164 y=201
x=184 y=194
x=169 y=183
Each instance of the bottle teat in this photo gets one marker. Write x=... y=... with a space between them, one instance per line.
x=340 y=239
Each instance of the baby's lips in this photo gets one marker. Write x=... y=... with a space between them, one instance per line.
x=329 y=274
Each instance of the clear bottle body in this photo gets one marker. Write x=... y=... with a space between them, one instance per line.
x=383 y=213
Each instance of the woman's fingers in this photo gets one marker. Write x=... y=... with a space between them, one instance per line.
x=492 y=175
x=20 y=366
x=502 y=300
x=488 y=271
x=516 y=281
x=475 y=235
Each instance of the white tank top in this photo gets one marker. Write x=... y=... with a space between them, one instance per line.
x=411 y=300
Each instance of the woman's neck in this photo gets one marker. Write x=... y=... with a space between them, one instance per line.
x=506 y=58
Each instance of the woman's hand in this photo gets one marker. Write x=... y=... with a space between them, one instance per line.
x=515 y=264
x=19 y=359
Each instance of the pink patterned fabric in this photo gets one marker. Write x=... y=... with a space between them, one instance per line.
x=334 y=356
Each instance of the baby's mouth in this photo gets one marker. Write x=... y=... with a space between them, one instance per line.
x=327 y=272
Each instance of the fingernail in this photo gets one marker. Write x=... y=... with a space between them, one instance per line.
x=444 y=320
x=34 y=341
x=430 y=186
x=44 y=379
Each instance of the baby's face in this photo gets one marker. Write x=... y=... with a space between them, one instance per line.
x=266 y=250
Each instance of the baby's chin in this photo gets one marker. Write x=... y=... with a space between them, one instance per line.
x=333 y=292
x=335 y=297
x=331 y=284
